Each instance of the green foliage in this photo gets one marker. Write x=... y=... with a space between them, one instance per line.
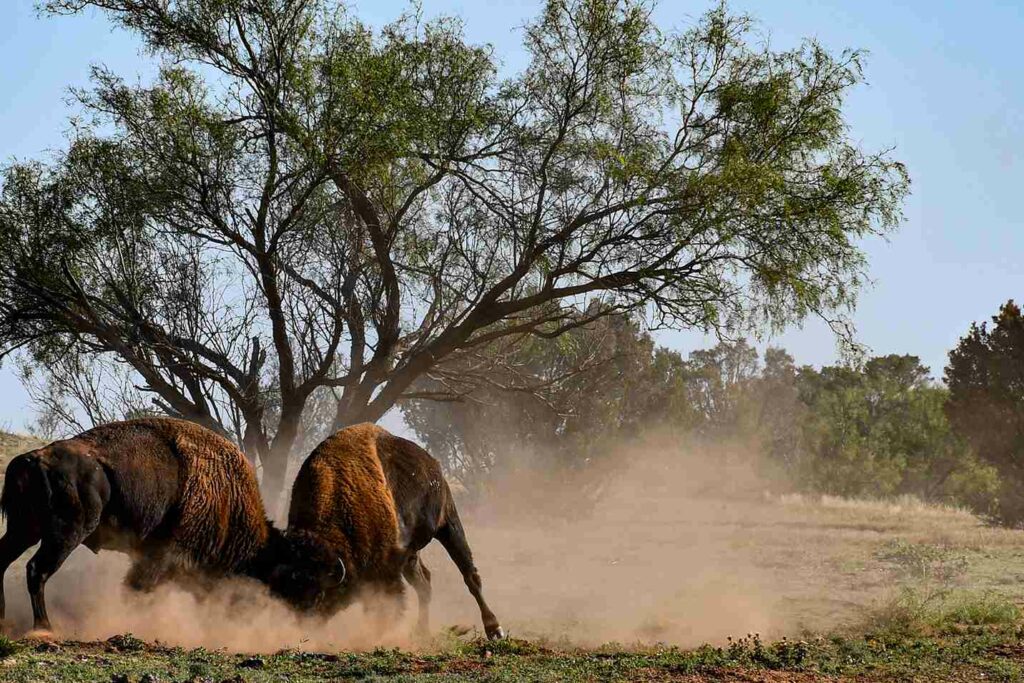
x=924 y=562
x=881 y=431
x=986 y=405
x=304 y=211
x=8 y=647
x=916 y=611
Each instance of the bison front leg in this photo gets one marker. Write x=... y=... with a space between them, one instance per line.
x=418 y=576
x=155 y=564
x=384 y=606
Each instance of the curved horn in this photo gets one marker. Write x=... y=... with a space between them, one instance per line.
x=344 y=571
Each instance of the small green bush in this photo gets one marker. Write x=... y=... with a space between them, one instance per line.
x=8 y=647
x=923 y=561
x=917 y=611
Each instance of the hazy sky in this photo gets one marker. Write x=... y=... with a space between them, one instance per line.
x=946 y=88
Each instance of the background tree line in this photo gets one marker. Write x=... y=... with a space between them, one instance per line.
x=878 y=429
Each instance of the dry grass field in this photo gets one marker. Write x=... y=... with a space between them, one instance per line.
x=13 y=444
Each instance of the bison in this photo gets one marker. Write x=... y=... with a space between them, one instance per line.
x=173 y=495
x=375 y=500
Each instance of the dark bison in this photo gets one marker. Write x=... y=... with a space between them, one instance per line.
x=375 y=500
x=173 y=495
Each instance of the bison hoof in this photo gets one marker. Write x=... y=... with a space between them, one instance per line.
x=495 y=633
x=44 y=634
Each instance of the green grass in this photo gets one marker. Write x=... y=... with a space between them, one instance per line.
x=991 y=653
x=930 y=611
x=8 y=647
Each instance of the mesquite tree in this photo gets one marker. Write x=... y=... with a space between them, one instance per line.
x=300 y=209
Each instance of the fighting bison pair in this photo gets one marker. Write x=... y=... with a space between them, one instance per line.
x=177 y=497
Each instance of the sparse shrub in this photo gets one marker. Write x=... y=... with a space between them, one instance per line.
x=748 y=651
x=917 y=611
x=752 y=651
x=986 y=609
x=905 y=614
x=506 y=646
x=923 y=561
x=125 y=643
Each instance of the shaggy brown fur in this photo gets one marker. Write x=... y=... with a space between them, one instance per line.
x=376 y=500
x=170 y=493
x=207 y=484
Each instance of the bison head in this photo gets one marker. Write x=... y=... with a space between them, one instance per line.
x=302 y=571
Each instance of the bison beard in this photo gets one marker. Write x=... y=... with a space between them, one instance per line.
x=173 y=495
x=375 y=500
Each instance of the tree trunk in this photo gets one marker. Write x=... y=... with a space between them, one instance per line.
x=254 y=442
x=275 y=467
x=356 y=410
x=272 y=484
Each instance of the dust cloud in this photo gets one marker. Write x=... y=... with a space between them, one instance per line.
x=87 y=600
x=654 y=550
x=666 y=544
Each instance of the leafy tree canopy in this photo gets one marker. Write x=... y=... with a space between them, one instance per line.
x=301 y=211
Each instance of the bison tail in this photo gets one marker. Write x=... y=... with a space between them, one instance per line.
x=17 y=492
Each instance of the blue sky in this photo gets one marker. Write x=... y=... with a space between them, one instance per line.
x=946 y=88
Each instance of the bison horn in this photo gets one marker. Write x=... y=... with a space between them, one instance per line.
x=341 y=569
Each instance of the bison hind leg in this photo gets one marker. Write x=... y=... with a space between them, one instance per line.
x=418 y=576
x=453 y=537
x=52 y=552
x=74 y=514
x=13 y=544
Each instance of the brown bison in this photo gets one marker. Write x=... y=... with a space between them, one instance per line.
x=173 y=495
x=375 y=500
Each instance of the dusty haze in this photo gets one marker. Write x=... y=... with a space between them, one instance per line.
x=677 y=545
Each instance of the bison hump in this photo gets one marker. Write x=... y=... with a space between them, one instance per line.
x=342 y=495
x=183 y=481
